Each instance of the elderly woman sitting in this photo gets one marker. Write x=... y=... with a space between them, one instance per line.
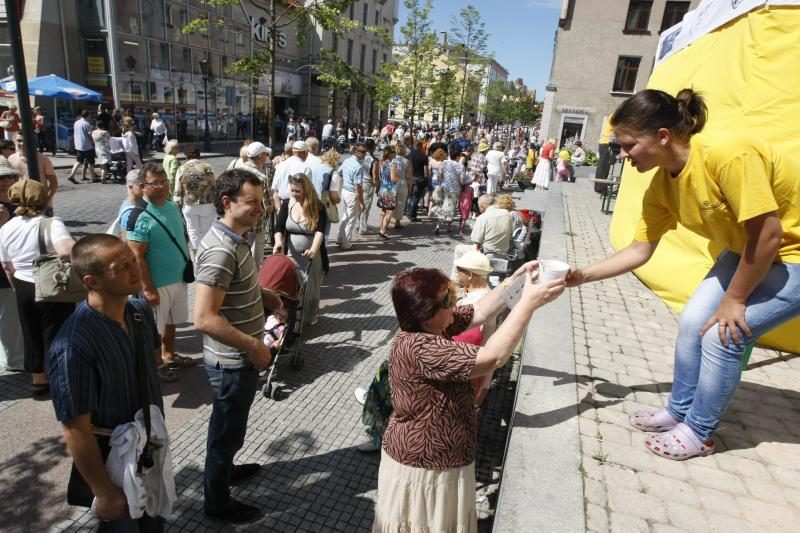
x=492 y=231
x=431 y=436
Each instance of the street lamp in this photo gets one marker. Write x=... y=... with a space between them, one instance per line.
x=204 y=70
x=130 y=62
x=445 y=72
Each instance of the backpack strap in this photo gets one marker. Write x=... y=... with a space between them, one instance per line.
x=133 y=217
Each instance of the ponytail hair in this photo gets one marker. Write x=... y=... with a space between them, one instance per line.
x=650 y=110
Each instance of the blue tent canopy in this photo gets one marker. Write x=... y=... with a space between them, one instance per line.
x=55 y=87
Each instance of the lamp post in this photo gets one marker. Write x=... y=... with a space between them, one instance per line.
x=445 y=82
x=130 y=62
x=204 y=70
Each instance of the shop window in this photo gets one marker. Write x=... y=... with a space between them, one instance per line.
x=132 y=56
x=159 y=60
x=625 y=76
x=181 y=62
x=177 y=16
x=198 y=38
x=126 y=17
x=92 y=15
x=638 y=16
x=153 y=18
x=673 y=14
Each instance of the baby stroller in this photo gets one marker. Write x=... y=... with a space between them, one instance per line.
x=283 y=288
x=118 y=164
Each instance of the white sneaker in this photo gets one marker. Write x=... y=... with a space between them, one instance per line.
x=361 y=395
x=367 y=447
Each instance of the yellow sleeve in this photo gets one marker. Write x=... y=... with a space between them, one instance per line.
x=745 y=182
x=656 y=218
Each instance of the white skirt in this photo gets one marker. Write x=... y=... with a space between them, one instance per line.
x=542 y=176
x=417 y=500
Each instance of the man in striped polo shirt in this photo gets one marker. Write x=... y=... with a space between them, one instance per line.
x=229 y=312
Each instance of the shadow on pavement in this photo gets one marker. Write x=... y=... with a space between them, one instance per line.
x=25 y=492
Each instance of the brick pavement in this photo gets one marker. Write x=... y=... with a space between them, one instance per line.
x=623 y=339
x=313 y=479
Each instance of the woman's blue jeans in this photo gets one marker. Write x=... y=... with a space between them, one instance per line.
x=707 y=372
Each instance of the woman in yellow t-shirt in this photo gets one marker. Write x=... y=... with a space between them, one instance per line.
x=739 y=193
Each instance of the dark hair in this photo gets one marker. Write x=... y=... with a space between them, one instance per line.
x=358 y=146
x=152 y=168
x=83 y=256
x=650 y=110
x=7 y=145
x=454 y=150
x=369 y=144
x=229 y=184
x=85 y=113
x=414 y=295
x=387 y=151
x=192 y=152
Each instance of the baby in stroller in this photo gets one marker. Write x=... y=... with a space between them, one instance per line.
x=280 y=285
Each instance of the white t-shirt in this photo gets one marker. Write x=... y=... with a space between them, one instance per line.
x=494 y=162
x=19 y=243
x=280 y=182
x=336 y=181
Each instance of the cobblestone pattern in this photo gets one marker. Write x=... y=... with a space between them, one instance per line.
x=624 y=337
x=313 y=477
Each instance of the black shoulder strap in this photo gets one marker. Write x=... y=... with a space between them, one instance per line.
x=173 y=239
x=133 y=217
x=145 y=459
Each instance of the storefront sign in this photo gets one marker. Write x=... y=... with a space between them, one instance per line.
x=573 y=110
x=96 y=64
x=260 y=32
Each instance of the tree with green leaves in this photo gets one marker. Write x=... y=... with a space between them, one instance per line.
x=506 y=103
x=329 y=68
x=469 y=40
x=412 y=74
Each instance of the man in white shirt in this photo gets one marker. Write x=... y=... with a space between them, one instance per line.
x=496 y=164
x=313 y=152
x=84 y=146
x=327 y=130
x=490 y=234
x=294 y=165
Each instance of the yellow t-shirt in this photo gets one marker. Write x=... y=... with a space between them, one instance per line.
x=720 y=188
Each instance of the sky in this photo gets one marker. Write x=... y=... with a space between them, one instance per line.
x=521 y=33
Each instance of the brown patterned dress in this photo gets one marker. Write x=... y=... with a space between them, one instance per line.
x=433 y=425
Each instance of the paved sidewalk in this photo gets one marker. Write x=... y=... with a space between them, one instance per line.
x=623 y=342
x=314 y=479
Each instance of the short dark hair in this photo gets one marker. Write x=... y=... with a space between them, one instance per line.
x=414 y=295
x=369 y=144
x=85 y=113
x=151 y=168
x=229 y=184
x=84 y=257
x=7 y=145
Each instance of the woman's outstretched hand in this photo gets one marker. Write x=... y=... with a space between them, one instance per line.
x=540 y=294
x=575 y=277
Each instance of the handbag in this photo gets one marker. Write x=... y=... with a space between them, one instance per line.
x=5 y=124
x=188 y=268
x=79 y=492
x=331 y=208
x=54 y=278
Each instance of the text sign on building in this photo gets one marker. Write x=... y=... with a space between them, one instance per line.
x=573 y=110
x=260 y=32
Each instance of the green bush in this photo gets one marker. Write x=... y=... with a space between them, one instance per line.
x=591 y=158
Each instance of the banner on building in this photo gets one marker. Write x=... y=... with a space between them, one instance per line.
x=747 y=72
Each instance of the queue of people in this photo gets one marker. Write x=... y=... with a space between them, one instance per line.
x=421 y=410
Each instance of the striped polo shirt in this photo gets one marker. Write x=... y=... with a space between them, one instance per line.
x=91 y=365
x=224 y=260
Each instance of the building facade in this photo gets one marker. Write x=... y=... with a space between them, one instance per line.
x=134 y=53
x=603 y=53
x=494 y=71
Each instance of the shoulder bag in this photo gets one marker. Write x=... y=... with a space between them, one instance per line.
x=331 y=208
x=54 y=278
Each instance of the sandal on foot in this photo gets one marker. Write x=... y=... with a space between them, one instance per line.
x=165 y=375
x=679 y=443
x=180 y=361
x=653 y=421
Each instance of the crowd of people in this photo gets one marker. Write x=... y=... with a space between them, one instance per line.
x=103 y=355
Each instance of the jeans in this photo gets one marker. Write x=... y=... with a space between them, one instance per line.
x=707 y=372
x=417 y=192
x=233 y=393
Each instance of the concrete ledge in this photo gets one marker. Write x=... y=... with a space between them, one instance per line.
x=542 y=486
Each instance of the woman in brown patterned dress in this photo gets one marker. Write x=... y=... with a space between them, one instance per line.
x=426 y=480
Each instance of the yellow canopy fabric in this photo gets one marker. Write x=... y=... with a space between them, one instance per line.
x=747 y=70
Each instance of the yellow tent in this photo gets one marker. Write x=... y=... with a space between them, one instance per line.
x=747 y=69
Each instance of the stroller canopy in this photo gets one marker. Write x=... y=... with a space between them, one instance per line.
x=279 y=274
